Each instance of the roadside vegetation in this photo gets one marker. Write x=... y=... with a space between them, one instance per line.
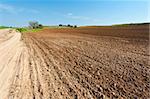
x=22 y=30
x=34 y=26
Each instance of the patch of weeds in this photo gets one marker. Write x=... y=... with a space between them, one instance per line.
x=21 y=29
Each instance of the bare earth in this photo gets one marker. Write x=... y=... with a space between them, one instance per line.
x=10 y=52
x=74 y=64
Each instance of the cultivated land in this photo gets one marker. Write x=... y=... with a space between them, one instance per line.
x=77 y=63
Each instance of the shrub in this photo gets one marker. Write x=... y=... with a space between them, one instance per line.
x=21 y=29
x=68 y=25
x=40 y=26
x=75 y=26
x=60 y=25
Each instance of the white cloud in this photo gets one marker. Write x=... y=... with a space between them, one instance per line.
x=7 y=8
x=27 y=10
x=14 y=10
x=71 y=16
x=79 y=17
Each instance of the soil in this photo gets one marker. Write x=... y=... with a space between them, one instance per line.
x=79 y=63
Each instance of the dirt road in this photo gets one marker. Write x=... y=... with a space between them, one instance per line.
x=75 y=64
x=10 y=51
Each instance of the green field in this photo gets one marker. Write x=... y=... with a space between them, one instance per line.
x=3 y=27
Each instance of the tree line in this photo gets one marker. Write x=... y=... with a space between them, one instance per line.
x=75 y=26
x=35 y=24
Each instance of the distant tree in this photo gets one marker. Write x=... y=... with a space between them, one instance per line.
x=68 y=25
x=60 y=25
x=33 y=24
x=40 y=26
x=75 y=26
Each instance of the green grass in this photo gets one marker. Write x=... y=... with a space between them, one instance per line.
x=23 y=30
x=3 y=27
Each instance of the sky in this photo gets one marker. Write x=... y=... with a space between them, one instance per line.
x=76 y=12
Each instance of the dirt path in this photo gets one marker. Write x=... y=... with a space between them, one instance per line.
x=50 y=65
x=10 y=52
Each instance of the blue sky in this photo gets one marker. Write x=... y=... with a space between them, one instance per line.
x=79 y=12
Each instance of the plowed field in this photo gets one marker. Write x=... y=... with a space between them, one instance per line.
x=83 y=63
